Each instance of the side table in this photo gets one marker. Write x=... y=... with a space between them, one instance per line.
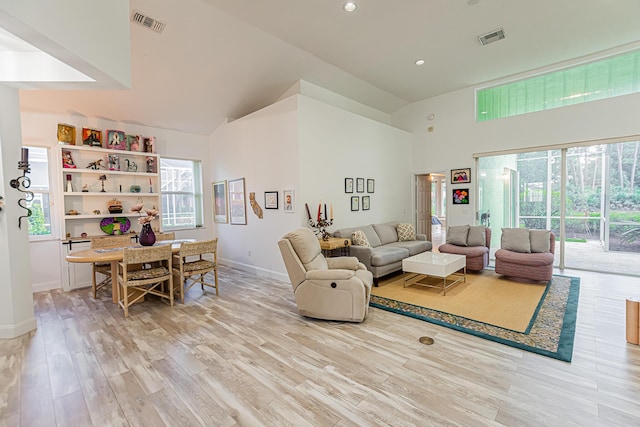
x=333 y=244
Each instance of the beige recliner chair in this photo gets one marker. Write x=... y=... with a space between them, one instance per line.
x=325 y=288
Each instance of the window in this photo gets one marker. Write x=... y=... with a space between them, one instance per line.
x=40 y=219
x=181 y=184
x=618 y=75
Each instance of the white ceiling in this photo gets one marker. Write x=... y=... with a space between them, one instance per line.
x=222 y=59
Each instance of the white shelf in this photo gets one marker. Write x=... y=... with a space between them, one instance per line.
x=108 y=172
x=102 y=215
x=109 y=194
x=107 y=151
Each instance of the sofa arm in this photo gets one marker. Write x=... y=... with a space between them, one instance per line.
x=421 y=237
x=343 y=262
x=363 y=253
x=339 y=274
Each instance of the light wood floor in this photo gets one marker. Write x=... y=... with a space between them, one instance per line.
x=246 y=358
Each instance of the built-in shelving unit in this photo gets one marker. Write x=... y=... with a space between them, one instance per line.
x=119 y=184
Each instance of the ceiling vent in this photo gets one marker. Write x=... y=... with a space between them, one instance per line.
x=491 y=37
x=146 y=21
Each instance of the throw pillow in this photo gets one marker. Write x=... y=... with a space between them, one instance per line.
x=516 y=240
x=476 y=236
x=457 y=235
x=358 y=238
x=540 y=240
x=406 y=232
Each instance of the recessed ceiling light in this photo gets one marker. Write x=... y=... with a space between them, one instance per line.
x=419 y=61
x=350 y=6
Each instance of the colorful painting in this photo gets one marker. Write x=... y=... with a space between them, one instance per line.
x=460 y=196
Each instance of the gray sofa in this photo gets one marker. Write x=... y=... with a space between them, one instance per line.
x=386 y=253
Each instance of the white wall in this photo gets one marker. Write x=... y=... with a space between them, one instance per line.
x=39 y=129
x=16 y=303
x=308 y=146
x=456 y=134
x=336 y=144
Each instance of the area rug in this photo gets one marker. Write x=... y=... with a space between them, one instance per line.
x=550 y=326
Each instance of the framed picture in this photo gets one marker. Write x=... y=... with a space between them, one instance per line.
x=66 y=134
x=460 y=176
x=92 y=137
x=348 y=185
x=116 y=140
x=67 y=160
x=460 y=196
x=133 y=142
x=355 y=203
x=360 y=185
x=271 y=200
x=220 y=206
x=237 y=204
x=371 y=186
x=149 y=144
x=366 y=203
x=289 y=197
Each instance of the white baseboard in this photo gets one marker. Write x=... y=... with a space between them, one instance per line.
x=46 y=286
x=13 y=331
x=258 y=271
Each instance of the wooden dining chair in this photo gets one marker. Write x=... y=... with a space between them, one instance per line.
x=104 y=268
x=190 y=265
x=135 y=281
x=165 y=236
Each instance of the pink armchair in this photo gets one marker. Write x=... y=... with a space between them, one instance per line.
x=472 y=242
x=534 y=263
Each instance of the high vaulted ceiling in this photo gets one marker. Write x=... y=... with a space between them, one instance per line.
x=222 y=59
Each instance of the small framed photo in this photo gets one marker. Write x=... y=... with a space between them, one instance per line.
x=461 y=176
x=133 y=142
x=237 y=204
x=359 y=185
x=366 y=203
x=348 y=185
x=355 y=203
x=92 y=137
x=371 y=185
x=67 y=160
x=66 y=134
x=460 y=196
x=271 y=200
x=116 y=140
x=220 y=207
x=149 y=144
x=289 y=197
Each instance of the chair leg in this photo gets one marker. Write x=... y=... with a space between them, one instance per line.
x=94 y=284
x=215 y=279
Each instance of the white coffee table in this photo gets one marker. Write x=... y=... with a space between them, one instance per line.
x=437 y=265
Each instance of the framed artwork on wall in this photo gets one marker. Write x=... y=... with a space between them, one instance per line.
x=461 y=176
x=271 y=200
x=460 y=196
x=289 y=200
x=237 y=203
x=92 y=137
x=220 y=202
x=355 y=203
x=348 y=185
x=360 y=185
x=366 y=203
x=371 y=185
x=66 y=134
x=116 y=140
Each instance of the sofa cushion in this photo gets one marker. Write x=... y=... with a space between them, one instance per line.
x=388 y=254
x=414 y=246
x=476 y=236
x=471 y=251
x=406 y=232
x=540 y=240
x=386 y=232
x=457 y=235
x=358 y=238
x=346 y=233
x=515 y=239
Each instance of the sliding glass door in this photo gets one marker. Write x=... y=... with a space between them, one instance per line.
x=589 y=196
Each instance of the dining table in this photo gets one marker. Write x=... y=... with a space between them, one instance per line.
x=114 y=256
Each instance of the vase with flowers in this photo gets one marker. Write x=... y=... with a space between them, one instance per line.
x=147 y=236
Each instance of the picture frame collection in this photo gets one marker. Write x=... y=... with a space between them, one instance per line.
x=111 y=139
x=229 y=201
x=360 y=185
x=460 y=196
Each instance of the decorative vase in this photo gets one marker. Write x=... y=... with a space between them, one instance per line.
x=147 y=236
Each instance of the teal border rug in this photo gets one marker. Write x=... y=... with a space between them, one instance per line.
x=550 y=333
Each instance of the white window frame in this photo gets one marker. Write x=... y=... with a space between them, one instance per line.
x=54 y=217
x=196 y=194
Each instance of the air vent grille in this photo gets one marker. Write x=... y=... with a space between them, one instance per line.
x=148 y=22
x=491 y=37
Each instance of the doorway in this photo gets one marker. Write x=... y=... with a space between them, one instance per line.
x=431 y=205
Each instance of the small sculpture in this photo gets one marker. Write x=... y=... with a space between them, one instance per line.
x=95 y=165
x=255 y=206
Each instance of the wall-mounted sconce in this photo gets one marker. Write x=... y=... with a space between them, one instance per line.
x=22 y=183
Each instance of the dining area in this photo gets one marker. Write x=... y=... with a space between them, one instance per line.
x=133 y=272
